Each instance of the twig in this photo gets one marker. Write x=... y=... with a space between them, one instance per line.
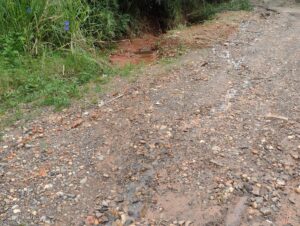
x=109 y=101
x=272 y=116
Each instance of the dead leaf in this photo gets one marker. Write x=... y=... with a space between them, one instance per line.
x=77 y=123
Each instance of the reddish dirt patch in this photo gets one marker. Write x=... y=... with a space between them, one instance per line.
x=135 y=51
x=149 y=48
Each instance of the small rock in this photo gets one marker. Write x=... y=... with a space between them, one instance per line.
x=105 y=203
x=188 y=223
x=297 y=190
x=254 y=205
x=265 y=211
x=83 y=181
x=126 y=220
x=15 y=206
x=100 y=157
x=259 y=200
x=280 y=183
x=256 y=191
x=181 y=223
x=120 y=199
x=60 y=194
x=15 y=211
x=104 y=220
x=295 y=155
x=48 y=186
x=216 y=148
x=293 y=199
x=45 y=219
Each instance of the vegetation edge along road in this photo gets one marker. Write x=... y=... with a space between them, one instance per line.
x=50 y=50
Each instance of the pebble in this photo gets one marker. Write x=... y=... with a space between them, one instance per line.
x=216 y=148
x=100 y=157
x=298 y=190
x=188 y=223
x=48 y=186
x=15 y=211
x=265 y=211
x=256 y=191
x=60 y=194
x=295 y=155
x=83 y=181
x=254 y=205
x=280 y=182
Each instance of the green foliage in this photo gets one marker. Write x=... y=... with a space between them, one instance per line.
x=60 y=23
x=49 y=80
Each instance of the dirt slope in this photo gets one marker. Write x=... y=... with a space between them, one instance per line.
x=213 y=141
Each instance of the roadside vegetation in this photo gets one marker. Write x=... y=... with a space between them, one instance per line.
x=49 y=49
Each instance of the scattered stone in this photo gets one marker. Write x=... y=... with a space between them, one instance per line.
x=280 y=183
x=188 y=223
x=83 y=181
x=48 y=186
x=254 y=205
x=297 y=190
x=119 y=199
x=100 y=157
x=181 y=223
x=266 y=211
x=15 y=211
x=216 y=148
x=293 y=199
x=126 y=220
x=256 y=191
x=295 y=155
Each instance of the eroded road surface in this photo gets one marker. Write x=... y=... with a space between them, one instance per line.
x=214 y=140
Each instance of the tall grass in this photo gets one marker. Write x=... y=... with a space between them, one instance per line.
x=60 y=23
x=40 y=23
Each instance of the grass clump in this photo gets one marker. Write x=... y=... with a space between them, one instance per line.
x=51 y=79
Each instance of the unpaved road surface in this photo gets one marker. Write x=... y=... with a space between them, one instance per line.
x=215 y=140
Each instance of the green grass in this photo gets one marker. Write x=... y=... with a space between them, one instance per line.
x=51 y=79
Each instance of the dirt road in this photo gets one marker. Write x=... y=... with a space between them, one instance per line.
x=215 y=140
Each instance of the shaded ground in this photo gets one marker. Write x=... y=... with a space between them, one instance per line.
x=215 y=140
x=149 y=48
